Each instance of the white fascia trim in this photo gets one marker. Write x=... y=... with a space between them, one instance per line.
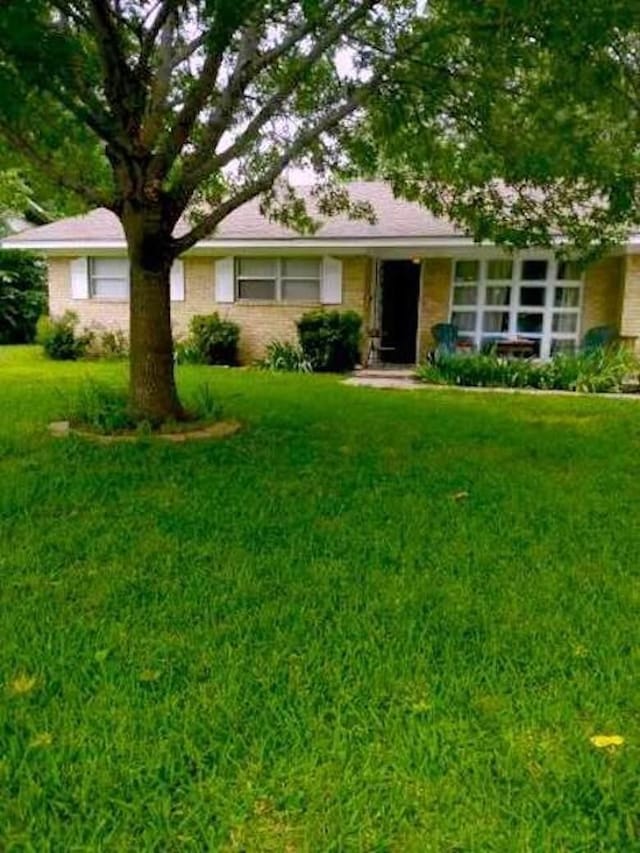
x=336 y=244
x=66 y=246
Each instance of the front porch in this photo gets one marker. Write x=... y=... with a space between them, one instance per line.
x=495 y=298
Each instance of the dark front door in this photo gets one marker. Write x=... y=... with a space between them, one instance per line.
x=400 y=284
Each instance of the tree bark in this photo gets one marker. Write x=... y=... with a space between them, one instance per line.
x=152 y=387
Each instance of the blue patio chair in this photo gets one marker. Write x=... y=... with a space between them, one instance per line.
x=445 y=336
x=597 y=338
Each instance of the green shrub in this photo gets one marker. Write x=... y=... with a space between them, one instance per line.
x=23 y=296
x=109 y=344
x=211 y=340
x=601 y=371
x=285 y=357
x=113 y=344
x=101 y=409
x=330 y=340
x=59 y=339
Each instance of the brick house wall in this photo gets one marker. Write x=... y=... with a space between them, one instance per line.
x=603 y=292
x=611 y=297
x=260 y=322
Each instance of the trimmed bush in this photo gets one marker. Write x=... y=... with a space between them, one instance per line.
x=59 y=339
x=211 y=340
x=603 y=371
x=23 y=296
x=283 y=356
x=330 y=340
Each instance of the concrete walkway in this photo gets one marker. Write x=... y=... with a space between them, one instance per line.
x=404 y=380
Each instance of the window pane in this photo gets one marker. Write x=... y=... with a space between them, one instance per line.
x=532 y=295
x=569 y=271
x=566 y=297
x=495 y=321
x=467 y=270
x=565 y=323
x=257 y=289
x=465 y=295
x=498 y=296
x=110 y=267
x=464 y=321
x=302 y=290
x=499 y=270
x=534 y=270
x=560 y=346
x=257 y=267
x=301 y=268
x=111 y=288
x=530 y=324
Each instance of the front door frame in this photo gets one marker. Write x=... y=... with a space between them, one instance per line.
x=376 y=302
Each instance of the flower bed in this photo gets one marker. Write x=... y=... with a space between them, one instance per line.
x=603 y=371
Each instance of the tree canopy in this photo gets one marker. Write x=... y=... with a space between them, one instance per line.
x=194 y=104
x=520 y=120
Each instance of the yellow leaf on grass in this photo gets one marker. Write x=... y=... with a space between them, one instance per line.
x=148 y=675
x=42 y=740
x=22 y=685
x=604 y=741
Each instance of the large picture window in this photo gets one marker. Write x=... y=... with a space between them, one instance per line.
x=534 y=298
x=109 y=278
x=278 y=279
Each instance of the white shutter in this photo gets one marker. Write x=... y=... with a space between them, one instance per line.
x=80 y=278
x=177 y=281
x=225 y=285
x=331 y=286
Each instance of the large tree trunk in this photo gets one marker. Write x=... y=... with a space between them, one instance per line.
x=152 y=385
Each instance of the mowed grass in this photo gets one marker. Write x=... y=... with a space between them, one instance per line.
x=304 y=637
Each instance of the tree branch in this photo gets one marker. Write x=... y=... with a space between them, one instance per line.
x=119 y=84
x=161 y=84
x=193 y=105
x=205 y=159
x=297 y=147
x=165 y=10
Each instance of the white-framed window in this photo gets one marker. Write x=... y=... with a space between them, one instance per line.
x=278 y=279
x=538 y=298
x=109 y=278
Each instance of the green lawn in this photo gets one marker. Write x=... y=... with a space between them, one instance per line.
x=298 y=639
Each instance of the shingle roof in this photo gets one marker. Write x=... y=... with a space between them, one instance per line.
x=395 y=219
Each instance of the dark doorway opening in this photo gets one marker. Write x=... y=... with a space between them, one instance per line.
x=400 y=294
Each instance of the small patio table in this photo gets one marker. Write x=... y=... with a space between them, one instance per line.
x=516 y=348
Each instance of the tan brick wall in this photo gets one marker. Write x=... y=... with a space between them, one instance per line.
x=630 y=312
x=92 y=312
x=435 y=299
x=602 y=296
x=260 y=323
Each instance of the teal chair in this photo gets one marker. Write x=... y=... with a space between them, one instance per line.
x=445 y=336
x=600 y=337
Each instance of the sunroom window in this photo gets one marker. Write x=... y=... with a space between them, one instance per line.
x=278 y=279
x=534 y=298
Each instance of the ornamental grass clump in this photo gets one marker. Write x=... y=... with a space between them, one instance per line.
x=285 y=357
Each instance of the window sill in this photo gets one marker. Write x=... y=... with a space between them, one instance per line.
x=274 y=303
